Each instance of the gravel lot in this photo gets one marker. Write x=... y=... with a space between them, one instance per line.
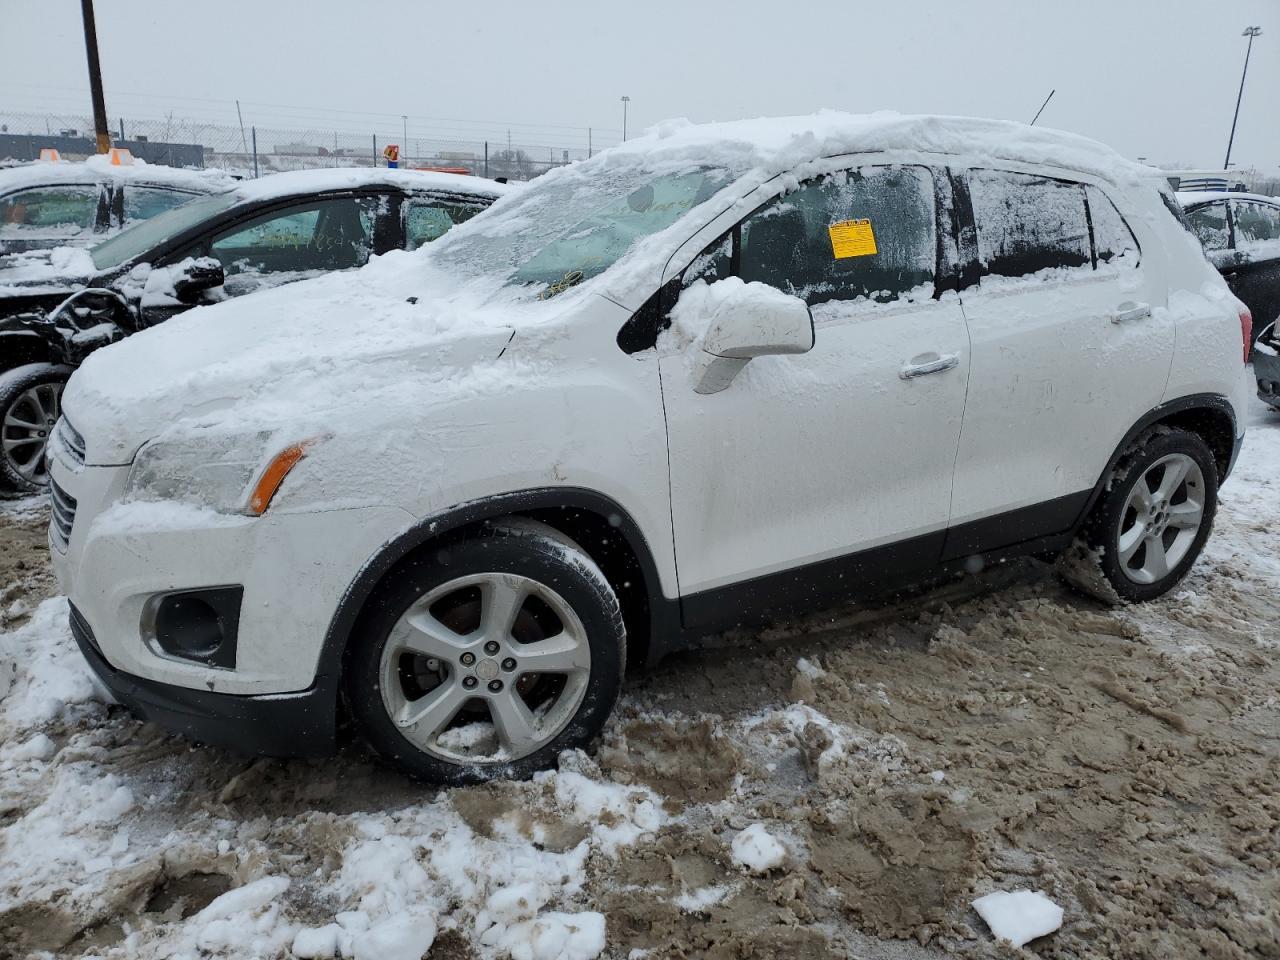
x=997 y=734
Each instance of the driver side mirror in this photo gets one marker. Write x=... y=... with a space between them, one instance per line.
x=742 y=321
x=196 y=276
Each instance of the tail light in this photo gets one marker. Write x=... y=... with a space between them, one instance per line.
x=1246 y=331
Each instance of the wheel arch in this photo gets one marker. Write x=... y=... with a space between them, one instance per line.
x=20 y=348
x=601 y=526
x=1208 y=415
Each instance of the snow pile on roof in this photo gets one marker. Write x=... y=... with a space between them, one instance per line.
x=776 y=144
x=1019 y=916
x=342 y=178
x=100 y=167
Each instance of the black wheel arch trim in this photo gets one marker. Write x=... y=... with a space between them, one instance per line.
x=664 y=615
x=1214 y=403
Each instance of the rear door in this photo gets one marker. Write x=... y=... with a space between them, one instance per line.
x=805 y=460
x=1072 y=344
x=1255 y=273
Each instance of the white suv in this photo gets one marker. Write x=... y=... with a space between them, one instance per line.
x=710 y=377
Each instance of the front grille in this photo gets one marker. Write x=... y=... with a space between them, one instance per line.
x=62 y=516
x=71 y=439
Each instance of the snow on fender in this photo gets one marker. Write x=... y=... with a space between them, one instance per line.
x=758 y=850
x=1019 y=916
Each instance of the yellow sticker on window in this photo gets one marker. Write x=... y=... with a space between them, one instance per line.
x=852 y=238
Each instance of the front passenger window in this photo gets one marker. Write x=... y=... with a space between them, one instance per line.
x=854 y=235
x=315 y=237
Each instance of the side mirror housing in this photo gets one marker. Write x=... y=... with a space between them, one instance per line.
x=742 y=321
x=196 y=276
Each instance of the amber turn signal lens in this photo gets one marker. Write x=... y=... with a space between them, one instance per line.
x=273 y=476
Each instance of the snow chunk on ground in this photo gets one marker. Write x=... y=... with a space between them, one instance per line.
x=552 y=936
x=53 y=675
x=758 y=850
x=402 y=937
x=1019 y=916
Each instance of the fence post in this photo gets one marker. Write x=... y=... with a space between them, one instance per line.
x=255 y=152
x=375 y=149
x=588 y=143
x=486 y=159
x=122 y=128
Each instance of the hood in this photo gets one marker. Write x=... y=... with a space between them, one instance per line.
x=30 y=279
x=298 y=359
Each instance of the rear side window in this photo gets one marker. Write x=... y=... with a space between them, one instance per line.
x=1112 y=238
x=65 y=210
x=857 y=234
x=1028 y=223
x=1209 y=223
x=143 y=203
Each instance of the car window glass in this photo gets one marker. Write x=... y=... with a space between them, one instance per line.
x=1210 y=225
x=320 y=236
x=1028 y=223
x=1112 y=238
x=426 y=220
x=143 y=203
x=1256 y=223
x=65 y=210
x=712 y=264
x=858 y=234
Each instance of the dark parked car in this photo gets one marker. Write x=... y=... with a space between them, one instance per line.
x=44 y=205
x=1241 y=235
x=1266 y=365
x=262 y=233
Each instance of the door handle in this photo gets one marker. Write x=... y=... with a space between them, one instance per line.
x=925 y=367
x=1131 y=311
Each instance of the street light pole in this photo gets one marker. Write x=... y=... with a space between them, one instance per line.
x=625 y=101
x=1249 y=32
x=95 y=78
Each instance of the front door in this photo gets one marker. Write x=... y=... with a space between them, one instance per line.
x=805 y=460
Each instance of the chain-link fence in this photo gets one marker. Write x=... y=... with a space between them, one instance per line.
x=256 y=150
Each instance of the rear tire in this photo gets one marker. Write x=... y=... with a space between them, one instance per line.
x=1151 y=522
x=484 y=659
x=30 y=404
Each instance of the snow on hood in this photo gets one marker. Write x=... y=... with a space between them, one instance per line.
x=61 y=265
x=338 y=351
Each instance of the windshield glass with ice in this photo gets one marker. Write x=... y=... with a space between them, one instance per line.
x=564 y=230
x=137 y=240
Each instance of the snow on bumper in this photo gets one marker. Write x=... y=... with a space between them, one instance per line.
x=294 y=568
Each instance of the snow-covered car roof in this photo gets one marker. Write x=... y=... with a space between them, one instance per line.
x=343 y=178
x=99 y=168
x=1190 y=198
x=780 y=143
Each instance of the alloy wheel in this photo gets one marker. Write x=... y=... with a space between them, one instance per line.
x=1161 y=519
x=25 y=431
x=486 y=668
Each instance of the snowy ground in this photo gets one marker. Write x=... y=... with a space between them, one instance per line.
x=845 y=786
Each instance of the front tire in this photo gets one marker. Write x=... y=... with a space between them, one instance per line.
x=486 y=658
x=1151 y=522
x=30 y=404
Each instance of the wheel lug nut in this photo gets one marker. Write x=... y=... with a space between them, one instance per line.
x=495 y=686
x=509 y=663
x=468 y=659
x=469 y=682
x=491 y=647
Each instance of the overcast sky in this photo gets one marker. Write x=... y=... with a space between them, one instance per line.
x=1154 y=78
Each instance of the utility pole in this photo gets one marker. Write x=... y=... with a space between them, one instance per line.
x=1249 y=32
x=625 y=101
x=100 y=129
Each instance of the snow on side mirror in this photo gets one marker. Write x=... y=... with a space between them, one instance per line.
x=740 y=321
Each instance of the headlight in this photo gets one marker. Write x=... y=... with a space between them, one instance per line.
x=235 y=474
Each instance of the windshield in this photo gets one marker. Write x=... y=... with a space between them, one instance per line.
x=567 y=229
x=140 y=238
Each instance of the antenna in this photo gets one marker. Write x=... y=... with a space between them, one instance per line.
x=1042 y=106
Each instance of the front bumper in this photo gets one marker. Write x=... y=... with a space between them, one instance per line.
x=278 y=725
x=1266 y=370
